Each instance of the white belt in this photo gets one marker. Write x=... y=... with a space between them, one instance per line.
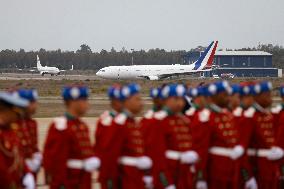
x=174 y=155
x=129 y=161
x=75 y=164
x=258 y=152
x=221 y=151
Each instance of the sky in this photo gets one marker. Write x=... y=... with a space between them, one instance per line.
x=139 y=24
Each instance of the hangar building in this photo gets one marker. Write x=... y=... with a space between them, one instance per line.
x=240 y=63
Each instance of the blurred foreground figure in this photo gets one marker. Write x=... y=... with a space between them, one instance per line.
x=258 y=133
x=127 y=146
x=217 y=141
x=68 y=156
x=27 y=131
x=13 y=171
x=108 y=178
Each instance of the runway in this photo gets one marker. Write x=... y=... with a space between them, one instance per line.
x=37 y=76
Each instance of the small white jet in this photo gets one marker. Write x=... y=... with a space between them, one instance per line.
x=157 y=72
x=47 y=69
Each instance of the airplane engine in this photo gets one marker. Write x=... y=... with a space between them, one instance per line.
x=152 y=78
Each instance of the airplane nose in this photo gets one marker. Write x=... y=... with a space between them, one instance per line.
x=98 y=73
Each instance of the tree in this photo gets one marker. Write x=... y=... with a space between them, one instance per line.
x=84 y=49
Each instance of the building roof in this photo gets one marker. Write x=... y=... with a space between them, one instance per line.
x=242 y=53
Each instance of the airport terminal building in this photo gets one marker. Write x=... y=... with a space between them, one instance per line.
x=240 y=63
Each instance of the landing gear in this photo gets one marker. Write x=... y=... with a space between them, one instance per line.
x=52 y=74
x=42 y=74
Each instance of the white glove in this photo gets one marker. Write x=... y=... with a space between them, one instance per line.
x=275 y=153
x=148 y=180
x=29 y=181
x=189 y=157
x=35 y=162
x=251 y=184
x=201 y=184
x=144 y=163
x=171 y=187
x=237 y=152
x=91 y=164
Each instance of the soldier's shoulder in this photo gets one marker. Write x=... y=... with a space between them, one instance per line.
x=120 y=119
x=277 y=109
x=204 y=115
x=249 y=113
x=190 y=111
x=238 y=112
x=106 y=118
x=149 y=114
x=60 y=123
x=160 y=115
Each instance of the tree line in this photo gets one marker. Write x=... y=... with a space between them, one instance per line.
x=85 y=59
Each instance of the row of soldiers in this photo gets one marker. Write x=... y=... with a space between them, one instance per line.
x=229 y=137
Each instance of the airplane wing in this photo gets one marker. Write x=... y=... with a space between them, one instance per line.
x=164 y=76
x=67 y=70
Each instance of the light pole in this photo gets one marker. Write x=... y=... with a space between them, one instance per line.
x=132 y=50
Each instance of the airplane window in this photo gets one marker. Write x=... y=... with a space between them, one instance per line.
x=137 y=70
x=102 y=70
x=181 y=69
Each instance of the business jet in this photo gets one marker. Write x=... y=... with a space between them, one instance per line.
x=158 y=72
x=47 y=69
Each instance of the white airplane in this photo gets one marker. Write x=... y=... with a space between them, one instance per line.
x=157 y=72
x=48 y=70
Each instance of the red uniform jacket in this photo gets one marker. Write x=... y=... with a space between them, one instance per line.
x=259 y=135
x=126 y=141
x=215 y=128
x=27 y=133
x=67 y=140
x=104 y=131
x=155 y=148
x=176 y=139
x=12 y=167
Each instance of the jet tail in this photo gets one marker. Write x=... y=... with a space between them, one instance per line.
x=38 y=65
x=206 y=59
x=72 y=67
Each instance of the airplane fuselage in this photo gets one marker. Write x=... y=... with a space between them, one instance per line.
x=48 y=70
x=142 y=71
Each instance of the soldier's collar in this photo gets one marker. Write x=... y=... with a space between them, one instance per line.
x=155 y=108
x=113 y=113
x=259 y=108
x=168 y=111
x=69 y=116
x=128 y=113
x=196 y=106
x=216 y=108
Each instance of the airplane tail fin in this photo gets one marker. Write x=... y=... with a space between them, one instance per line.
x=38 y=65
x=72 y=67
x=206 y=59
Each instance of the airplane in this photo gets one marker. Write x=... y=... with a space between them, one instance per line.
x=158 y=72
x=47 y=70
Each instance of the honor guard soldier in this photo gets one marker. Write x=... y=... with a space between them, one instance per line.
x=259 y=132
x=177 y=138
x=27 y=131
x=68 y=156
x=217 y=141
x=278 y=150
x=128 y=148
x=13 y=171
x=107 y=178
x=151 y=135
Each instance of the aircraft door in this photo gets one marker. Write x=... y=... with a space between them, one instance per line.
x=118 y=73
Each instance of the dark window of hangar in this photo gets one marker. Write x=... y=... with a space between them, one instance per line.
x=254 y=72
